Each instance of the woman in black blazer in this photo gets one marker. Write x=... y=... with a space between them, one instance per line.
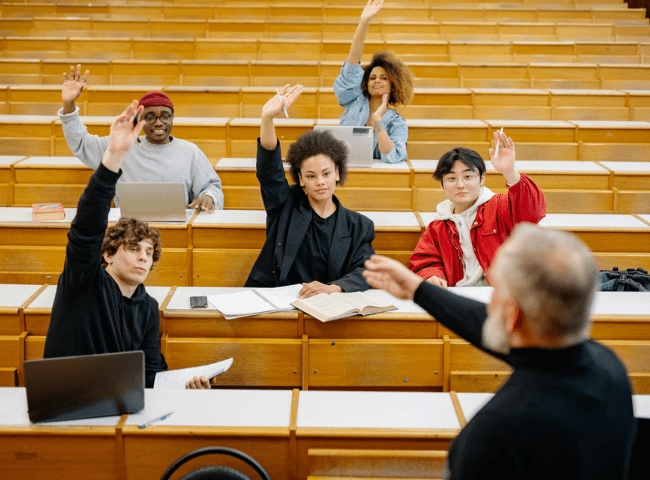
x=310 y=237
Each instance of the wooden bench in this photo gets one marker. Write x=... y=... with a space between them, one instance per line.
x=347 y=463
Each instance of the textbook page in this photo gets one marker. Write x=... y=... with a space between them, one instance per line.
x=176 y=379
x=280 y=297
x=240 y=304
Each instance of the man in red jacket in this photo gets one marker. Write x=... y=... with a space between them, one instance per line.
x=457 y=248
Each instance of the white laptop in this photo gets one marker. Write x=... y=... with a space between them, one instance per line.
x=153 y=202
x=359 y=141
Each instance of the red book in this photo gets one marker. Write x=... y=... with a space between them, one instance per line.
x=47 y=211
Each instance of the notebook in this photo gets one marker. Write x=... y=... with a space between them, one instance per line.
x=359 y=141
x=153 y=202
x=87 y=386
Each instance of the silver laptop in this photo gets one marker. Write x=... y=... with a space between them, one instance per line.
x=87 y=386
x=153 y=202
x=358 y=139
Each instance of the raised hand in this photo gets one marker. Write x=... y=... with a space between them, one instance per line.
x=73 y=85
x=504 y=162
x=371 y=10
x=390 y=275
x=123 y=136
x=284 y=99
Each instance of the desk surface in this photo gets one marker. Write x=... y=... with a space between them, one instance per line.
x=10 y=159
x=217 y=408
x=470 y=403
x=385 y=410
x=24 y=215
x=45 y=299
x=578 y=220
x=53 y=161
x=628 y=167
x=525 y=166
x=13 y=296
x=14 y=413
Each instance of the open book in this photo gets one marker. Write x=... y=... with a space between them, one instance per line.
x=176 y=379
x=255 y=301
x=332 y=306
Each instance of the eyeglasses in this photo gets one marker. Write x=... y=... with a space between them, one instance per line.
x=150 y=118
x=468 y=179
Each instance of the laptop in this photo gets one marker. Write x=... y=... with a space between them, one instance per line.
x=87 y=386
x=153 y=201
x=359 y=141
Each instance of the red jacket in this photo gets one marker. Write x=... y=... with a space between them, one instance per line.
x=438 y=251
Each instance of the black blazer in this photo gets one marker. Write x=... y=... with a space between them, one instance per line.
x=288 y=215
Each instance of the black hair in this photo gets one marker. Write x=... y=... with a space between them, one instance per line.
x=465 y=155
x=313 y=143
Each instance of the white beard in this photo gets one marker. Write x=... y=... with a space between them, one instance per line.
x=494 y=336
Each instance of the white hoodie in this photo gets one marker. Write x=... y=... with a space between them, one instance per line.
x=473 y=274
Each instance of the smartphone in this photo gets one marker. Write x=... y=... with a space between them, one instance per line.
x=199 y=302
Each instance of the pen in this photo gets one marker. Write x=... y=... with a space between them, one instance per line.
x=496 y=150
x=283 y=109
x=157 y=419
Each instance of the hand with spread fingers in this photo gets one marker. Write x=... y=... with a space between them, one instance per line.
x=283 y=100
x=123 y=136
x=371 y=10
x=73 y=85
x=388 y=274
x=504 y=161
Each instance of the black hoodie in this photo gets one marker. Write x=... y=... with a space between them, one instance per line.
x=90 y=315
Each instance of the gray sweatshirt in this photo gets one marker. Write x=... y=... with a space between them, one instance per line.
x=176 y=161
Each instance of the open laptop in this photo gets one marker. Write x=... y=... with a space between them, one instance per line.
x=153 y=202
x=87 y=386
x=358 y=139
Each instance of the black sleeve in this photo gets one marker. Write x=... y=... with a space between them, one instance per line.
x=463 y=316
x=353 y=280
x=270 y=173
x=89 y=225
x=154 y=361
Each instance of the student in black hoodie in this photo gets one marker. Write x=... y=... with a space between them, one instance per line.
x=101 y=305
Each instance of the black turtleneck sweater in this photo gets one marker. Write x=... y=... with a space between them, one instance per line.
x=563 y=414
x=90 y=315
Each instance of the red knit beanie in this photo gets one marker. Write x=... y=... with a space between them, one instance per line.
x=156 y=98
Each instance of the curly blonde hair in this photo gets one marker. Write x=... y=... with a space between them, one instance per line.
x=129 y=231
x=401 y=77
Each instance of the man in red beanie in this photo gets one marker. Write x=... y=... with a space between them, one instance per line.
x=160 y=157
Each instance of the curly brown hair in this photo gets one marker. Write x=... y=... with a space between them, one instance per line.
x=129 y=231
x=400 y=76
x=313 y=143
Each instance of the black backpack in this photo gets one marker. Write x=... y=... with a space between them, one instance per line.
x=630 y=280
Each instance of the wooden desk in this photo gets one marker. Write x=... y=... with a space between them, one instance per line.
x=56 y=450
x=384 y=186
x=256 y=422
x=604 y=233
x=50 y=179
x=372 y=420
x=7 y=178
x=26 y=134
x=433 y=138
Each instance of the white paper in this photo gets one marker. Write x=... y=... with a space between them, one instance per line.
x=240 y=304
x=176 y=379
x=281 y=297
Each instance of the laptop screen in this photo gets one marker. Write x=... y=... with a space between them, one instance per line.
x=87 y=386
